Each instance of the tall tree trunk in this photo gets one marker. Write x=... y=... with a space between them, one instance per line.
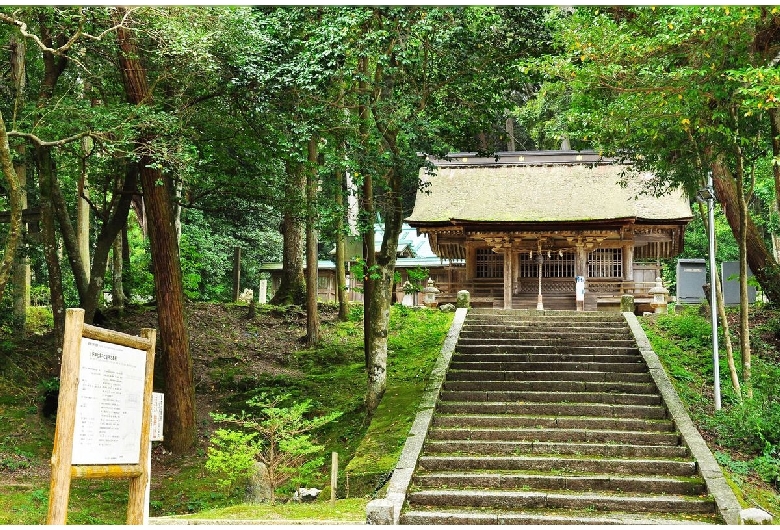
x=774 y=121
x=312 y=313
x=341 y=269
x=82 y=211
x=21 y=269
x=382 y=294
x=293 y=285
x=53 y=67
x=70 y=240
x=117 y=269
x=367 y=228
x=760 y=260
x=158 y=197
x=744 y=307
x=49 y=239
x=15 y=200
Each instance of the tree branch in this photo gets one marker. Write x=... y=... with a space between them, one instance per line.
x=56 y=143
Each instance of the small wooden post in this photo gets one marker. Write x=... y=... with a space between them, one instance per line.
x=334 y=476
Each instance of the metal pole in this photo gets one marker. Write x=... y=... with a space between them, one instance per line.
x=713 y=294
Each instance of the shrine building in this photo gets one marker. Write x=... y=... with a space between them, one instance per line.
x=517 y=228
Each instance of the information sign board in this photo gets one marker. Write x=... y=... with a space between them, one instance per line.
x=109 y=404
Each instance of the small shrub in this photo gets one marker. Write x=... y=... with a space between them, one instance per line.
x=737 y=467
x=752 y=426
x=231 y=456
x=768 y=467
x=276 y=437
x=40 y=320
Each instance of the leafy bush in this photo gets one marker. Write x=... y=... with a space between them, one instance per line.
x=768 y=467
x=749 y=428
x=752 y=426
x=40 y=320
x=231 y=456
x=276 y=437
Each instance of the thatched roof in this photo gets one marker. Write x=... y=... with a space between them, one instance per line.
x=559 y=192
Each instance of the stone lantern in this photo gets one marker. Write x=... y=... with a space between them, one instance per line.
x=659 y=294
x=429 y=294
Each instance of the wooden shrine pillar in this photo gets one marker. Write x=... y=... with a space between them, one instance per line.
x=581 y=261
x=471 y=260
x=628 y=261
x=509 y=259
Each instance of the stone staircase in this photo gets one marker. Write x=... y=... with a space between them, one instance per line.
x=553 y=419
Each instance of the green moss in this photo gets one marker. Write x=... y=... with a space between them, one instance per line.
x=344 y=510
x=414 y=348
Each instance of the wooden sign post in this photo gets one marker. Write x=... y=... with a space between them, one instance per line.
x=104 y=412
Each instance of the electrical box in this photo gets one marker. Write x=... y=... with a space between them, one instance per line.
x=691 y=276
x=729 y=277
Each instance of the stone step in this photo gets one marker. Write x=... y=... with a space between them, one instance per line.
x=464 y=516
x=460 y=374
x=621 y=368
x=551 y=386
x=546 y=357
x=584 y=333
x=550 y=397
x=547 y=325
x=507 y=448
x=596 y=482
x=520 y=347
x=554 y=435
x=507 y=421
x=560 y=464
x=554 y=409
x=548 y=341
x=518 y=500
x=525 y=314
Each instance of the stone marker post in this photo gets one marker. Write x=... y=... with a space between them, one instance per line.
x=262 y=292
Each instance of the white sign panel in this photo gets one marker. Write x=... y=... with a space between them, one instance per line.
x=158 y=409
x=109 y=404
x=579 y=288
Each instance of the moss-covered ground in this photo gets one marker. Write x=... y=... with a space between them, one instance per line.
x=234 y=358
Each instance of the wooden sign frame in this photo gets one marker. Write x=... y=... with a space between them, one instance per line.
x=62 y=469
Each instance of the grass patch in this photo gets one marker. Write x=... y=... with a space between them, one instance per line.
x=345 y=510
x=332 y=375
x=745 y=434
x=414 y=347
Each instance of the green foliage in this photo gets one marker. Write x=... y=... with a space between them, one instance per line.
x=40 y=295
x=231 y=456
x=138 y=280
x=748 y=429
x=416 y=282
x=752 y=426
x=277 y=436
x=40 y=320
